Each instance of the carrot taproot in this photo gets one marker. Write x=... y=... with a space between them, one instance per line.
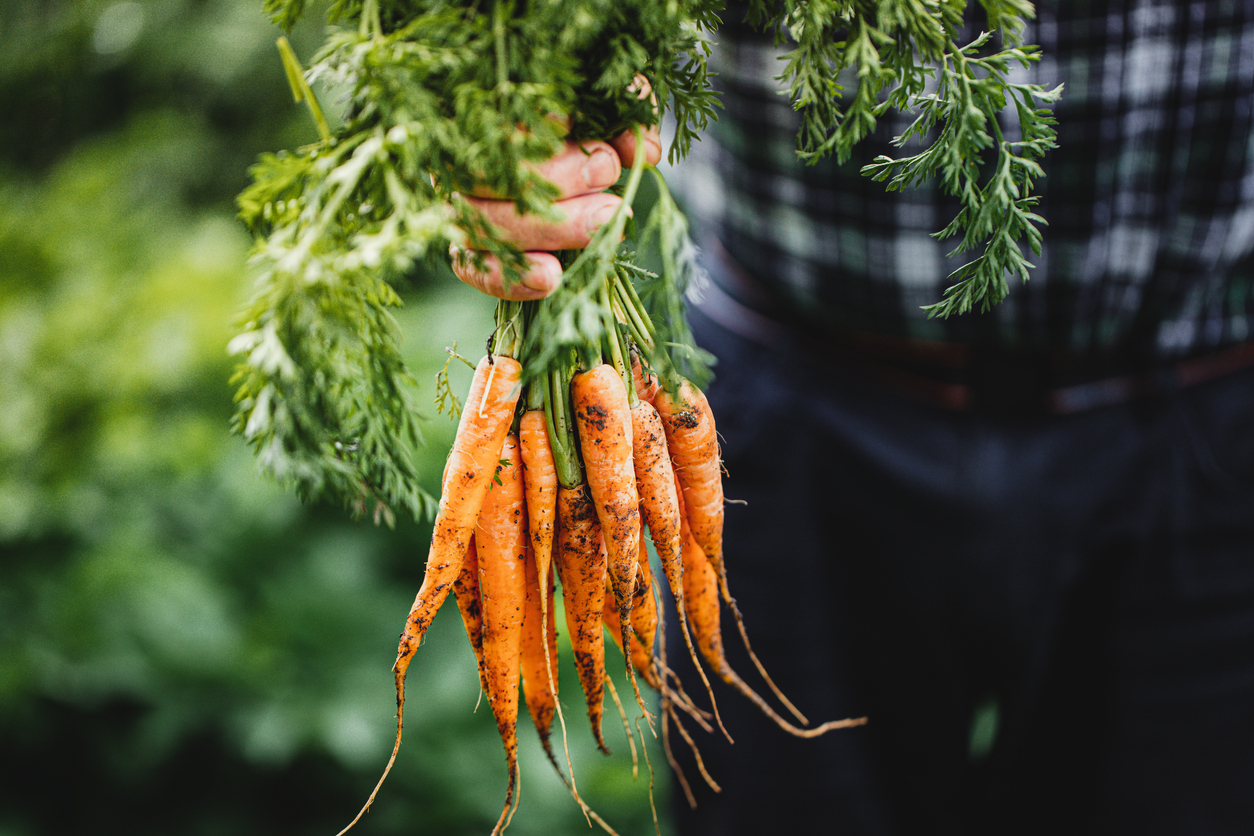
x=502 y=544
x=540 y=485
x=693 y=441
x=540 y=488
x=580 y=558
x=660 y=504
x=472 y=463
x=539 y=655
x=603 y=420
x=644 y=615
x=466 y=591
x=469 y=470
x=640 y=657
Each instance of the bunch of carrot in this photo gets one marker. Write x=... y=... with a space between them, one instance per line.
x=563 y=474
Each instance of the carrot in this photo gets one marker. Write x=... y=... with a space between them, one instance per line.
x=644 y=610
x=539 y=655
x=540 y=484
x=641 y=658
x=540 y=488
x=466 y=591
x=471 y=464
x=580 y=560
x=502 y=543
x=603 y=418
x=646 y=383
x=693 y=441
x=660 y=504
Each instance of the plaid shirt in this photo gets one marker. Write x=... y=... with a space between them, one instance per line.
x=1149 y=196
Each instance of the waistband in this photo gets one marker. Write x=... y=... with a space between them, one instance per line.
x=964 y=377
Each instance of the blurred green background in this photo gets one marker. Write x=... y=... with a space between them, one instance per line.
x=184 y=647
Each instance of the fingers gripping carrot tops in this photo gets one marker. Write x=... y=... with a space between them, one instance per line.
x=502 y=545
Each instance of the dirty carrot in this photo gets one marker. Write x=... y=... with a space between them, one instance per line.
x=466 y=591
x=693 y=442
x=540 y=488
x=660 y=504
x=502 y=544
x=603 y=419
x=641 y=659
x=539 y=656
x=580 y=559
x=471 y=464
x=644 y=607
x=540 y=484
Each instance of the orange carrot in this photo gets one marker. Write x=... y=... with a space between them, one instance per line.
x=660 y=504
x=539 y=656
x=466 y=591
x=644 y=611
x=693 y=443
x=580 y=560
x=471 y=464
x=641 y=659
x=540 y=484
x=502 y=544
x=603 y=418
x=540 y=487
x=647 y=384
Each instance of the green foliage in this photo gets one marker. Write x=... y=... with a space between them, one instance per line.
x=891 y=50
x=665 y=236
x=995 y=214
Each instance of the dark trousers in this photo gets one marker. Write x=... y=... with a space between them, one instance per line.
x=1049 y=621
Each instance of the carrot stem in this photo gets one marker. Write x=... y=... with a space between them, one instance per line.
x=635 y=316
x=557 y=412
x=618 y=355
x=507 y=340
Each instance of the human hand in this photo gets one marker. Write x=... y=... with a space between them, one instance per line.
x=581 y=173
